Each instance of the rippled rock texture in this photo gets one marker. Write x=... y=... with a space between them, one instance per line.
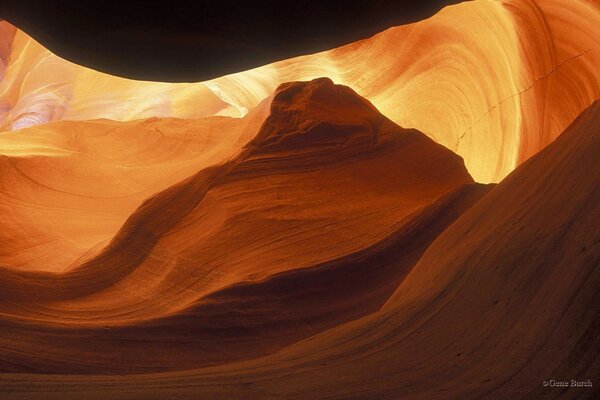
x=310 y=247
x=343 y=248
x=493 y=81
x=211 y=254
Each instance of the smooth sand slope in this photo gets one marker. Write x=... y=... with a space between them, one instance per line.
x=246 y=256
x=503 y=299
x=494 y=81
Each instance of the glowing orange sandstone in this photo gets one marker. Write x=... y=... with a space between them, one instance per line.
x=493 y=81
x=139 y=244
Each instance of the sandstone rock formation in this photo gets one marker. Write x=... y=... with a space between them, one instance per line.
x=269 y=235
x=499 y=296
x=494 y=82
x=307 y=204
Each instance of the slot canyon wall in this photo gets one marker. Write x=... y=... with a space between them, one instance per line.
x=493 y=81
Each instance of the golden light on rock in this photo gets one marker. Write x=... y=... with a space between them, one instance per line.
x=413 y=216
x=493 y=81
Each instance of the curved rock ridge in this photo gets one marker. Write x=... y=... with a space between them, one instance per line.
x=503 y=299
x=243 y=320
x=313 y=185
x=239 y=259
x=493 y=81
x=68 y=186
x=38 y=87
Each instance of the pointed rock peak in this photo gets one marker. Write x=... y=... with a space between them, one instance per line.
x=320 y=94
x=317 y=112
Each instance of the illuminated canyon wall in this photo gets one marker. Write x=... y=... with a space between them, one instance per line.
x=270 y=235
x=493 y=81
x=416 y=279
